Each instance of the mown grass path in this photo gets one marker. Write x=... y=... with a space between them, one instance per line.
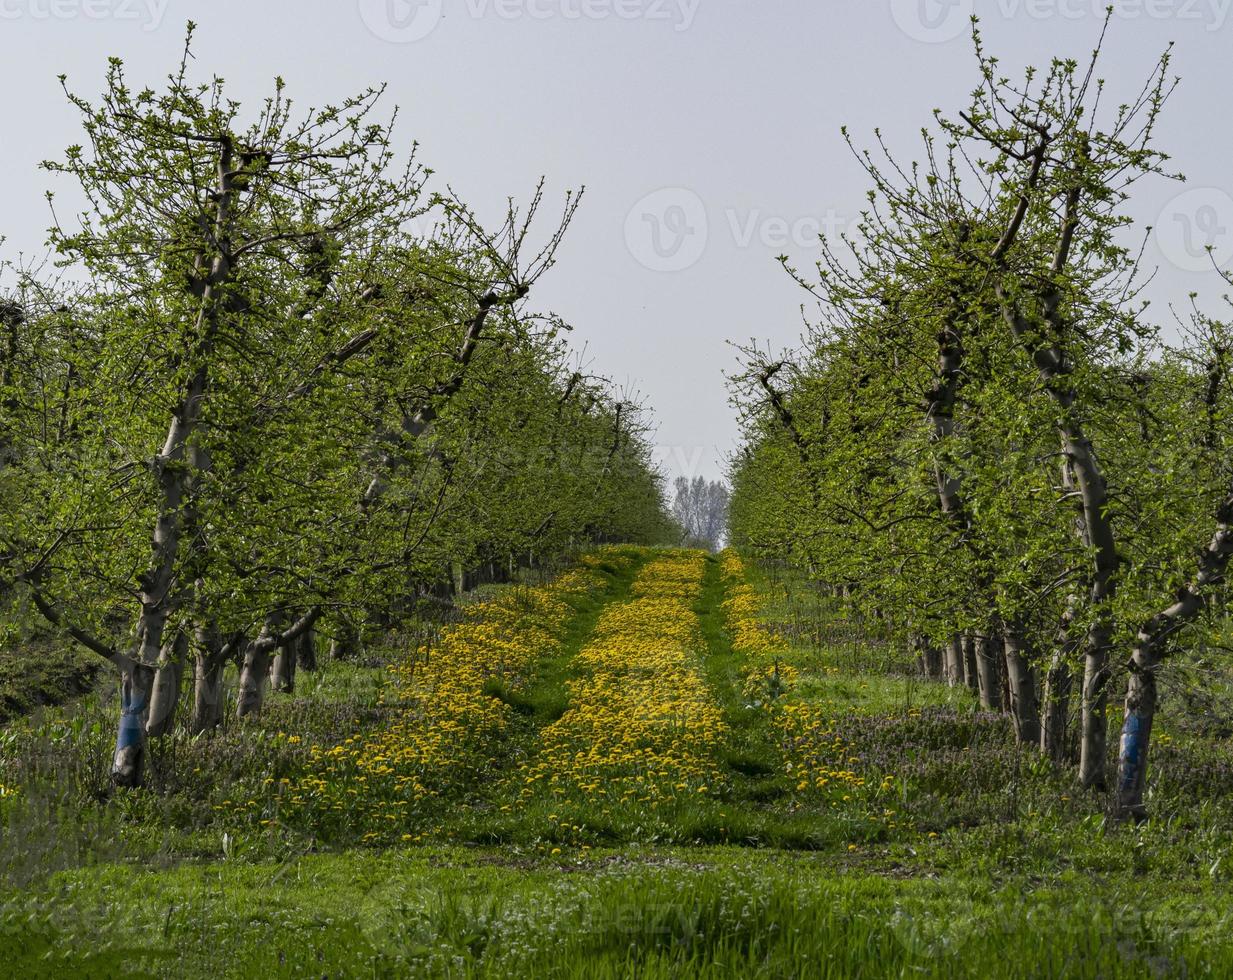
x=640 y=729
x=643 y=725
x=623 y=735
x=751 y=755
x=763 y=803
x=546 y=697
x=491 y=817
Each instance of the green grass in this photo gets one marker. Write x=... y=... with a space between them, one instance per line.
x=991 y=864
x=661 y=913
x=546 y=698
x=37 y=672
x=758 y=810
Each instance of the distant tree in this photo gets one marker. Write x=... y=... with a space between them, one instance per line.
x=701 y=508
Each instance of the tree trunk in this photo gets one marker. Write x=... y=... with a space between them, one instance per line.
x=306 y=655
x=255 y=669
x=158 y=583
x=954 y=661
x=345 y=644
x=282 y=670
x=1021 y=682
x=1059 y=682
x=988 y=673
x=1098 y=534
x=1060 y=678
x=254 y=679
x=930 y=659
x=969 y=662
x=1044 y=343
x=1151 y=645
x=1141 y=699
x=207 y=692
x=128 y=763
x=165 y=696
x=208 y=667
x=1094 y=723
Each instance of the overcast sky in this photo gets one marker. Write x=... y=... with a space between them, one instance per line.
x=706 y=133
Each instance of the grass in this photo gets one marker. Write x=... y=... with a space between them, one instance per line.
x=546 y=697
x=661 y=913
x=975 y=858
x=40 y=673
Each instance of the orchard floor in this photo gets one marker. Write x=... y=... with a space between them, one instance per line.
x=775 y=795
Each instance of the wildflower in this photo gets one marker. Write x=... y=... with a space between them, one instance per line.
x=642 y=722
x=447 y=729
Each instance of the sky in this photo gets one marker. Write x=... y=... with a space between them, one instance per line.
x=706 y=133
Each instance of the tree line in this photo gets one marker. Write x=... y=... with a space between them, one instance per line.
x=986 y=440
x=700 y=508
x=254 y=401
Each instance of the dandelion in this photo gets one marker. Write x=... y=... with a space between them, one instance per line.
x=448 y=726
x=643 y=724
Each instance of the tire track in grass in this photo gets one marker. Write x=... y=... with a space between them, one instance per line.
x=494 y=817
x=454 y=716
x=758 y=809
x=751 y=753
x=800 y=788
x=642 y=730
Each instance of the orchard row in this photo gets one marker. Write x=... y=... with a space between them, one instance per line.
x=254 y=401
x=987 y=444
